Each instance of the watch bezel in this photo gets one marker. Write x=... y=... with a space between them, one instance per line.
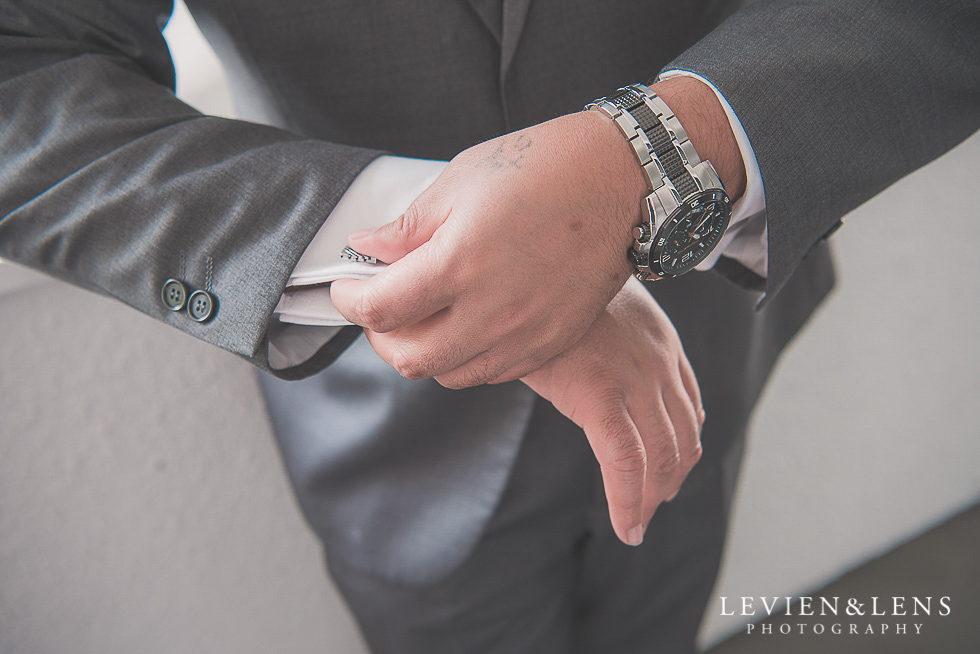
x=648 y=253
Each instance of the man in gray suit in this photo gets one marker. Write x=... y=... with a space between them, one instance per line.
x=474 y=520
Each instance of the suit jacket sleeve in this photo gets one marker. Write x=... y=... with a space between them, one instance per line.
x=840 y=100
x=111 y=183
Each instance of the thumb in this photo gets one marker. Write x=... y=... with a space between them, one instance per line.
x=394 y=240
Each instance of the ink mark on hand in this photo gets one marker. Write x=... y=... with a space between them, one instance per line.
x=508 y=152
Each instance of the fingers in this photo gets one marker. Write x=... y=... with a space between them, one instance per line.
x=668 y=426
x=404 y=293
x=622 y=459
x=494 y=366
x=656 y=427
x=645 y=440
x=628 y=384
x=415 y=355
x=679 y=436
x=484 y=368
x=419 y=324
x=692 y=387
x=412 y=290
x=420 y=351
x=394 y=240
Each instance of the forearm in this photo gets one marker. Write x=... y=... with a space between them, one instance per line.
x=840 y=100
x=111 y=183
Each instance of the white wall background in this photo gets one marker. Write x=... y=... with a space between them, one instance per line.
x=143 y=507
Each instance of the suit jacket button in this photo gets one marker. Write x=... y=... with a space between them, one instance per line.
x=200 y=306
x=174 y=294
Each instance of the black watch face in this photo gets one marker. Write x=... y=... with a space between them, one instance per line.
x=692 y=232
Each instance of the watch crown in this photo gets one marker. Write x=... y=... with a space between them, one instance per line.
x=641 y=233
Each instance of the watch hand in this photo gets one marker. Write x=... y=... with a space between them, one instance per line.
x=688 y=248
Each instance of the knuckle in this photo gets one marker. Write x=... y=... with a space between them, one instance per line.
x=475 y=378
x=406 y=364
x=665 y=458
x=481 y=374
x=459 y=381
x=371 y=316
x=522 y=369
x=474 y=375
x=604 y=378
x=629 y=459
x=450 y=382
x=629 y=466
x=409 y=222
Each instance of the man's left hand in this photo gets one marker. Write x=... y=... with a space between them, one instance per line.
x=629 y=386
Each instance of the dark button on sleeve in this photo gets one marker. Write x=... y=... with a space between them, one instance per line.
x=174 y=294
x=200 y=306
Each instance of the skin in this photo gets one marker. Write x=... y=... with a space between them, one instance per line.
x=512 y=265
x=629 y=386
x=470 y=253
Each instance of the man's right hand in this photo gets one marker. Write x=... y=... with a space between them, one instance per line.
x=506 y=259
x=509 y=256
x=628 y=384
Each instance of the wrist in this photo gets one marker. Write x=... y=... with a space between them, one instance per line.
x=697 y=108
x=614 y=162
x=687 y=211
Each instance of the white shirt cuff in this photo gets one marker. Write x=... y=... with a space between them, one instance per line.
x=381 y=193
x=378 y=195
x=746 y=239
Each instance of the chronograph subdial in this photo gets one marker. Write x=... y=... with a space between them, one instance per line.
x=694 y=235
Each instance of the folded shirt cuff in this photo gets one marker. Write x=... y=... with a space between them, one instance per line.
x=381 y=193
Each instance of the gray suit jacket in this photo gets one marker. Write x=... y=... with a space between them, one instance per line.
x=111 y=183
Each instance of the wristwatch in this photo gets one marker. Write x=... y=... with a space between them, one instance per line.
x=688 y=210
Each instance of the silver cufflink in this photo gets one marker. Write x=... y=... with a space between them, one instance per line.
x=354 y=255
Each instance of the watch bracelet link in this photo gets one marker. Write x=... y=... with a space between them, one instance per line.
x=673 y=169
x=648 y=123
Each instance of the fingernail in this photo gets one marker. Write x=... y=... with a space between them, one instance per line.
x=635 y=536
x=359 y=234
